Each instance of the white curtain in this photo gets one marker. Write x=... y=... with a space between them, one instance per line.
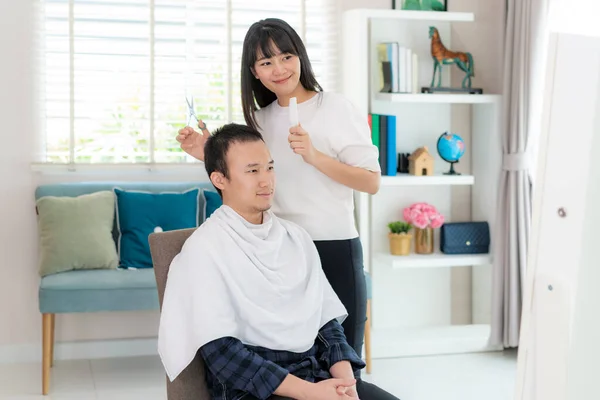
x=524 y=58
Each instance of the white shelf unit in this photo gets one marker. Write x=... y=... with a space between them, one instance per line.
x=415 y=15
x=412 y=180
x=413 y=300
x=436 y=260
x=438 y=98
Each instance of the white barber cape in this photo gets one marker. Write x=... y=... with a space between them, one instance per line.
x=262 y=284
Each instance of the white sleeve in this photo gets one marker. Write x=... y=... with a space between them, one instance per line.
x=352 y=142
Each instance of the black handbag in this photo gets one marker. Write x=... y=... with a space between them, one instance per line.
x=465 y=238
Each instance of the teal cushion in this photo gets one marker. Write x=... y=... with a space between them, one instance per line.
x=212 y=201
x=141 y=213
x=100 y=279
x=98 y=290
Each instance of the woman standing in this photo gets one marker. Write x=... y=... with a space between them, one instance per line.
x=319 y=162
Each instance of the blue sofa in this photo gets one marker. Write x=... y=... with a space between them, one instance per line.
x=85 y=291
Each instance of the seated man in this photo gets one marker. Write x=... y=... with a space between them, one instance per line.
x=248 y=290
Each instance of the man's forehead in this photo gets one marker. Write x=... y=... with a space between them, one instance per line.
x=245 y=153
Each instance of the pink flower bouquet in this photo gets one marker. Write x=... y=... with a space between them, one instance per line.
x=423 y=215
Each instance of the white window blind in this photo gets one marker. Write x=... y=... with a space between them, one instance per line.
x=115 y=74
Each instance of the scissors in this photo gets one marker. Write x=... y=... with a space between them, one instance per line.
x=191 y=112
x=192 y=116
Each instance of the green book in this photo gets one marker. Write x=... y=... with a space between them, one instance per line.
x=375 y=129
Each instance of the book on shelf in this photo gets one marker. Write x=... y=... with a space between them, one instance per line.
x=398 y=68
x=383 y=135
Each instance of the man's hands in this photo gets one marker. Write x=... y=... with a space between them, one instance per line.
x=343 y=370
x=332 y=389
x=348 y=391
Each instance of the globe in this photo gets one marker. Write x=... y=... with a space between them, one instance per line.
x=451 y=148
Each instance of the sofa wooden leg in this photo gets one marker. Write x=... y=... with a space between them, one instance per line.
x=46 y=351
x=52 y=340
x=368 y=338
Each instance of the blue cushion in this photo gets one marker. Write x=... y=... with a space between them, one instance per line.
x=212 y=201
x=98 y=290
x=369 y=286
x=141 y=213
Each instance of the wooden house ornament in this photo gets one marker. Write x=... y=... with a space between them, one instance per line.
x=420 y=163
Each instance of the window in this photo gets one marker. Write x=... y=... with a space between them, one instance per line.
x=115 y=74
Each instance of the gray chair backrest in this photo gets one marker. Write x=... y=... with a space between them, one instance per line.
x=164 y=246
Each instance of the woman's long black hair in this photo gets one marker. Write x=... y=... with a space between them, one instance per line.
x=268 y=35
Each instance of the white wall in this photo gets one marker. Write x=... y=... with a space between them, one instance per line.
x=20 y=321
x=351 y=4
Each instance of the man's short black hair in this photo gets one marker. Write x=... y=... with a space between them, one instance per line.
x=216 y=146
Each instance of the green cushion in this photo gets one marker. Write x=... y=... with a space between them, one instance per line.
x=76 y=232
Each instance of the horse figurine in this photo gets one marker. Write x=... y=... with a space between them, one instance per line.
x=442 y=56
